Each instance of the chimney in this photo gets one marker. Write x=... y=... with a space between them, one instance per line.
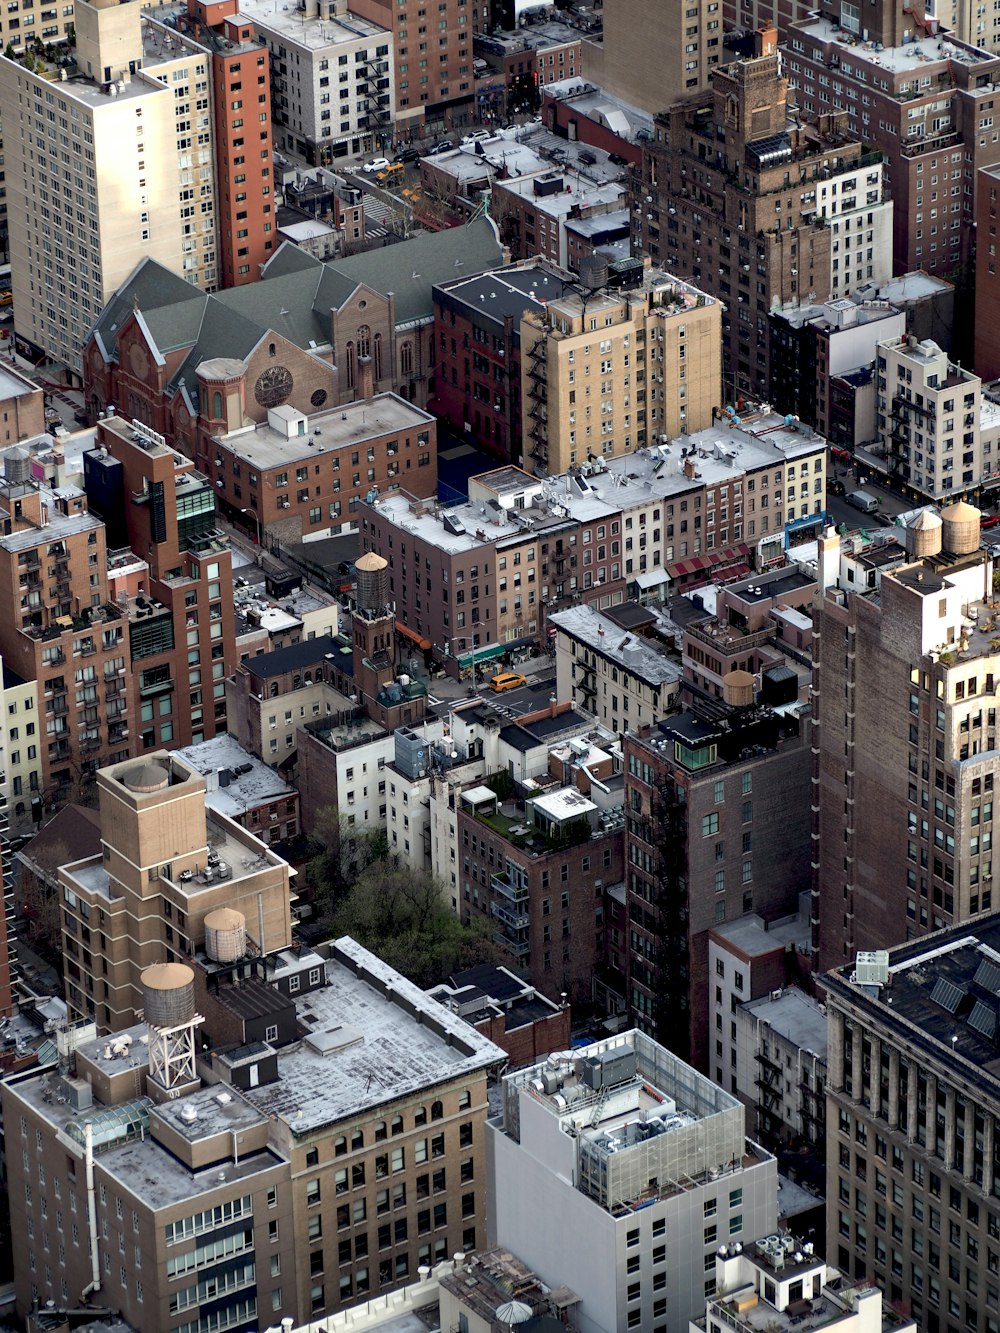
x=765 y=41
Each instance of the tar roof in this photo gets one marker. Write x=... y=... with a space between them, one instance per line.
x=303 y=654
x=505 y=292
x=944 y=992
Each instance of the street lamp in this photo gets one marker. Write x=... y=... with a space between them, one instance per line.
x=260 y=536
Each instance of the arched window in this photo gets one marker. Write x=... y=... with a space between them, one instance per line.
x=272 y=349
x=350 y=365
x=437 y=1110
x=217 y=404
x=364 y=340
x=378 y=357
x=274 y=690
x=406 y=359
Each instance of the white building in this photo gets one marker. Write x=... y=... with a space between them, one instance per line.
x=104 y=167
x=619 y=1170
x=859 y=216
x=626 y=681
x=332 y=75
x=779 y=1281
x=781 y=1066
x=929 y=421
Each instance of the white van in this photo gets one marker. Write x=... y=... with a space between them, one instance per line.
x=868 y=504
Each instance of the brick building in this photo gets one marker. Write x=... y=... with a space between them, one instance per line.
x=608 y=372
x=241 y=119
x=713 y=833
x=477 y=326
x=179 y=598
x=925 y=100
x=540 y=881
x=532 y=212
x=304 y=474
x=758 y=210
x=509 y=1011
x=986 y=350
x=472 y=581
x=240 y=785
x=22 y=407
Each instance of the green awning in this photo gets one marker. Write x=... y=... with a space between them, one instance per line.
x=481 y=655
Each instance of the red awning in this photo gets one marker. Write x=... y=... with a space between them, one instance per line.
x=414 y=637
x=711 y=560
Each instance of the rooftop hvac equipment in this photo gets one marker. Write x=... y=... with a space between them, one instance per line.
x=872 y=967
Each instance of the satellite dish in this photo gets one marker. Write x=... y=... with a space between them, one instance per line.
x=514 y=1312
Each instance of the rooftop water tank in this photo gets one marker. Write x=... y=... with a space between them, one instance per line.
x=924 y=535
x=146 y=778
x=225 y=935
x=373 y=582
x=960 y=523
x=737 y=689
x=168 y=994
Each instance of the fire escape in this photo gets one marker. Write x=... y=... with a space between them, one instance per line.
x=904 y=415
x=769 y=1087
x=538 y=413
x=373 y=90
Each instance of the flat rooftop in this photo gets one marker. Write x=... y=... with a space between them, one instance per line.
x=795 y=1016
x=754 y=936
x=929 y=55
x=942 y=993
x=238 y=780
x=315 y=34
x=577 y=192
x=334 y=429
x=385 y=1039
x=639 y=656
x=505 y=292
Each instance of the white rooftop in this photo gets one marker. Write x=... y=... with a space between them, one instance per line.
x=408 y=1042
x=577 y=192
x=919 y=55
x=316 y=33
x=243 y=791
x=569 y=803
x=795 y=1016
x=630 y=651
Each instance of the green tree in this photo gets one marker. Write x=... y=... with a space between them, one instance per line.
x=344 y=852
x=403 y=916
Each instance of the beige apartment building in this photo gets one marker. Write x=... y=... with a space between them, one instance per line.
x=108 y=160
x=611 y=373
x=167 y=862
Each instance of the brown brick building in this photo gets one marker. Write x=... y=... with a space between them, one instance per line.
x=712 y=834
x=540 y=882
x=301 y=474
x=477 y=331
x=22 y=407
x=241 y=114
x=182 y=634
x=478 y=579
x=758 y=210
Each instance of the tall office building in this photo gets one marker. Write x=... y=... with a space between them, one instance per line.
x=904 y=739
x=913 y=1126
x=759 y=208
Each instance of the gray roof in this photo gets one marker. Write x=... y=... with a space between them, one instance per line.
x=294 y=296
x=642 y=658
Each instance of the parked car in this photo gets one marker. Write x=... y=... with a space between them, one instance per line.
x=408 y=154
x=376 y=164
x=477 y=136
x=835 y=487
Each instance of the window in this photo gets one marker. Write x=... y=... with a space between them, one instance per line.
x=710 y=824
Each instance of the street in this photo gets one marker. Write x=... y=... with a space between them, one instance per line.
x=890 y=504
